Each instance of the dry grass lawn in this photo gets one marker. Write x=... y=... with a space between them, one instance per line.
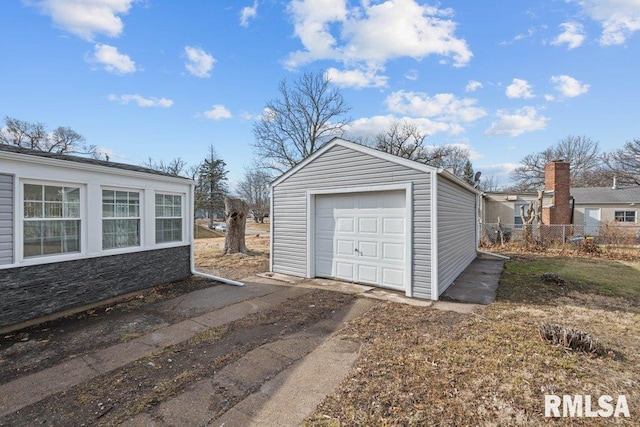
x=421 y=366
x=210 y=259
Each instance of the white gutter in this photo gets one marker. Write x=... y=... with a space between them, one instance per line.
x=192 y=239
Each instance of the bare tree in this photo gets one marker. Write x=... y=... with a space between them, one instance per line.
x=625 y=162
x=582 y=154
x=489 y=184
x=34 y=136
x=405 y=139
x=402 y=139
x=254 y=189
x=307 y=115
x=175 y=166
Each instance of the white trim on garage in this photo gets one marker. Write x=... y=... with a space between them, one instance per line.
x=434 y=237
x=311 y=226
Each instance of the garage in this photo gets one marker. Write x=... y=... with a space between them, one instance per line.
x=361 y=237
x=353 y=213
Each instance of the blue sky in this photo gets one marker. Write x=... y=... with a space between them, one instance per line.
x=165 y=79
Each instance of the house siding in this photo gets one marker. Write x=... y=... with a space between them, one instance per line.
x=6 y=219
x=30 y=292
x=340 y=168
x=456 y=231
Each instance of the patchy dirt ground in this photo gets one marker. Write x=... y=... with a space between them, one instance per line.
x=420 y=366
x=138 y=387
x=210 y=259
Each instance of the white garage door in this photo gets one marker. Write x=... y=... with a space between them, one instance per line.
x=361 y=237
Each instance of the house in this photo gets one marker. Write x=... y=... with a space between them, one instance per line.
x=75 y=231
x=354 y=213
x=595 y=206
x=588 y=209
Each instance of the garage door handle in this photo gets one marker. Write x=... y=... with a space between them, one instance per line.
x=357 y=251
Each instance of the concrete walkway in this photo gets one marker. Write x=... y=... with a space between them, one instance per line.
x=300 y=369
x=478 y=283
x=229 y=304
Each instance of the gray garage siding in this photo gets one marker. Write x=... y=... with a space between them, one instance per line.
x=6 y=219
x=341 y=167
x=456 y=231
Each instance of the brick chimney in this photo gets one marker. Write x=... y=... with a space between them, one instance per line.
x=557 y=182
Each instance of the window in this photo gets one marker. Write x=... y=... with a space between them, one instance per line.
x=625 y=216
x=120 y=219
x=51 y=220
x=168 y=218
x=517 y=213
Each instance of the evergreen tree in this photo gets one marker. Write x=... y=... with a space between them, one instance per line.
x=211 y=185
x=467 y=172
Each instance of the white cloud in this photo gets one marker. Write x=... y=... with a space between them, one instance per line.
x=472 y=86
x=573 y=35
x=218 y=112
x=367 y=126
x=569 y=87
x=356 y=78
x=519 y=89
x=199 y=63
x=112 y=60
x=523 y=120
x=86 y=18
x=248 y=12
x=619 y=18
x=373 y=33
x=549 y=97
x=141 y=101
x=443 y=107
x=411 y=75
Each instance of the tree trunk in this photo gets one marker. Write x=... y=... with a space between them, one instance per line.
x=235 y=213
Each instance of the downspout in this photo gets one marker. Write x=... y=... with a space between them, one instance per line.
x=191 y=241
x=573 y=208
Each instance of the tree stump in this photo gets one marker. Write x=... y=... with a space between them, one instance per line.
x=235 y=213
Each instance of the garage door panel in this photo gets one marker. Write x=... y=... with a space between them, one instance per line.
x=392 y=277
x=368 y=249
x=325 y=225
x=324 y=267
x=345 y=270
x=368 y=225
x=324 y=247
x=394 y=199
x=393 y=226
x=345 y=247
x=360 y=237
x=393 y=251
x=345 y=224
x=343 y=202
x=368 y=273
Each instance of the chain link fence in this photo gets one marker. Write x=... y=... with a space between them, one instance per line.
x=549 y=235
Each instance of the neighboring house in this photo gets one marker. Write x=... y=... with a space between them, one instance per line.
x=357 y=214
x=596 y=206
x=587 y=208
x=74 y=231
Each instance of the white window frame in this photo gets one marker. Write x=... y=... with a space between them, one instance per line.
x=624 y=216
x=19 y=229
x=140 y=218
x=181 y=217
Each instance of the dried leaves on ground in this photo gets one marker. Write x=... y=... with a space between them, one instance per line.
x=421 y=366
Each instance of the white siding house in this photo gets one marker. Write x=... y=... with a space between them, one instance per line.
x=353 y=213
x=75 y=231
